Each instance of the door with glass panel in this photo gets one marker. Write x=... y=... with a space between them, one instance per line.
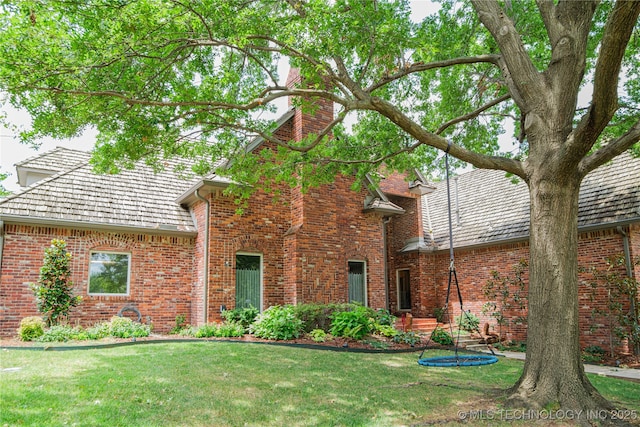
x=248 y=281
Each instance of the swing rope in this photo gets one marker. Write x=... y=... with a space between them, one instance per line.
x=474 y=360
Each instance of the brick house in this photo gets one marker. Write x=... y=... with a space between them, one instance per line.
x=490 y=217
x=181 y=248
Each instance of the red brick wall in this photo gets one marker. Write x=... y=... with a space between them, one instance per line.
x=259 y=230
x=474 y=267
x=161 y=274
x=334 y=231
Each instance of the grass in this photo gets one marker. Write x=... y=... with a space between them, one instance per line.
x=232 y=384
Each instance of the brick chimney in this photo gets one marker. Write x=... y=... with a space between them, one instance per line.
x=305 y=123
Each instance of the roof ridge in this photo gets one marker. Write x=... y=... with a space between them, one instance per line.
x=47 y=153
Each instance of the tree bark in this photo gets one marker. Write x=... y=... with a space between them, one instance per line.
x=553 y=372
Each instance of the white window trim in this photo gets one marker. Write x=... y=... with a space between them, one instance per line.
x=366 y=278
x=128 y=274
x=261 y=308
x=398 y=288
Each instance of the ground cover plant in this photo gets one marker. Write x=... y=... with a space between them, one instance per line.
x=231 y=384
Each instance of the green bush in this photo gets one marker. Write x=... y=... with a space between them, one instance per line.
x=356 y=324
x=384 y=317
x=123 y=327
x=410 y=338
x=317 y=316
x=188 y=331
x=277 y=323
x=230 y=329
x=99 y=331
x=386 y=330
x=318 y=335
x=54 y=290
x=440 y=313
x=31 y=328
x=181 y=323
x=206 y=331
x=244 y=316
x=63 y=333
x=467 y=321
x=593 y=354
x=441 y=336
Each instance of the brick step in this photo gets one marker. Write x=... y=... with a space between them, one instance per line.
x=419 y=324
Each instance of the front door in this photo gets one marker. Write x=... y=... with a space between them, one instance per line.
x=248 y=281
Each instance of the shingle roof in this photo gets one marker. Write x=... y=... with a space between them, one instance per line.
x=58 y=159
x=491 y=208
x=136 y=198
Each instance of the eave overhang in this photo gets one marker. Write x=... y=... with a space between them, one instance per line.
x=157 y=229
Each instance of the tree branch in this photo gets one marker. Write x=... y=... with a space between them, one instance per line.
x=421 y=66
x=423 y=137
x=528 y=89
x=253 y=104
x=472 y=114
x=604 y=101
x=611 y=150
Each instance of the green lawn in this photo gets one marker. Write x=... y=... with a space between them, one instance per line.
x=235 y=384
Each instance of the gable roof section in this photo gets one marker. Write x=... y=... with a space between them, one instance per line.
x=487 y=207
x=137 y=199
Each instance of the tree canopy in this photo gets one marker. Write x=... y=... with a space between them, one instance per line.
x=165 y=78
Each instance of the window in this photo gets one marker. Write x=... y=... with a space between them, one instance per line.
x=404 y=290
x=109 y=273
x=357 y=282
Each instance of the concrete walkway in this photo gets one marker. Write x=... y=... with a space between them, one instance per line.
x=607 y=371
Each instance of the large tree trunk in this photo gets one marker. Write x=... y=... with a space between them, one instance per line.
x=553 y=372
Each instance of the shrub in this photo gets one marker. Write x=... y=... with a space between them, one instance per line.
x=356 y=324
x=206 y=331
x=384 y=317
x=277 y=323
x=244 y=316
x=31 y=328
x=123 y=327
x=467 y=321
x=54 y=290
x=410 y=338
x=318 y=335
x=386 y=330
x=230 y=329
x=63 y=333
x=99 y=331
x=188 y=331
x=440 y=313
x=593 y=354
x=441 y=336
x=317 y=316
x=181 y=323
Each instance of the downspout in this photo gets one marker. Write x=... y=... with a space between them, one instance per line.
x=627 y=262
x=205 y=305
x=1 y=241
x=385 y=221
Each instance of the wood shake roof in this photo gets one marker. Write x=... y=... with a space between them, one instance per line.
x=139 y=198
x=488 y=207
